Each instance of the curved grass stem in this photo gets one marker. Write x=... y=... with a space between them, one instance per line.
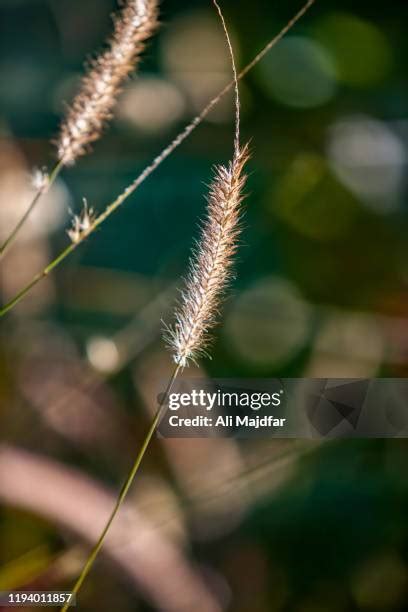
x=124 y=490
x=182 y=136
x=37 y=197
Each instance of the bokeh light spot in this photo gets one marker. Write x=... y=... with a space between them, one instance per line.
x=312 y=201
x=299 y=73
x=269 y=323
x=360 y=50
x=381 y=583
x=369 y=158
x=103 y=354
x=348 y=345
x=152 y=105
x=194 y=56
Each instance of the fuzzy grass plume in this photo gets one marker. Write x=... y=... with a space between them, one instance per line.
x=93 y=105
x=211 y=265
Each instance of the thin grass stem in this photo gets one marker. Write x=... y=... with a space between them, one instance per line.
x=125 y=489
x=37 y=197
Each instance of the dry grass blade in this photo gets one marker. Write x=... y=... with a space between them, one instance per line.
x=79 y=504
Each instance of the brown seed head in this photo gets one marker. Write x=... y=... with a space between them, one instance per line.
x=211 y=265
x=93 y=105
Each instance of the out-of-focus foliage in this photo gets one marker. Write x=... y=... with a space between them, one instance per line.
x=321 y=290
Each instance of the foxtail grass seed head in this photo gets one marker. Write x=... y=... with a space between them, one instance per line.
x=81 y=224
x=211 y=264
x=93 y=105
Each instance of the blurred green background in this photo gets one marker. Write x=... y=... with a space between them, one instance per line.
x=321 y=291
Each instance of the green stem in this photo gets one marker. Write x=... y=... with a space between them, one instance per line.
x=8 y=242
x=34 y=281
x=125 y=489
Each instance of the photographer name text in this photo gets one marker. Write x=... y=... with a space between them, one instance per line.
x=227 y=421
